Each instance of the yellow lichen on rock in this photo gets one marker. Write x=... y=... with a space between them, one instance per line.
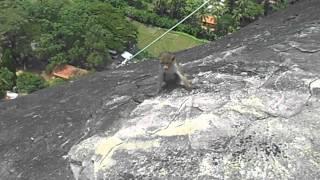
x=188 y=126
x=105 y=149
x=108 y=146
x=144 y=145
x=253 y=101
x=251 y=105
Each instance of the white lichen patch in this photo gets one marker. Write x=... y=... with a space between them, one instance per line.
x=201 y=62
x=258 y=168
x=104 y=151
x=308 y=31
x=81 y=151
x=253 y=81
x=301 y=143
x=188 y=126
x=157 y=104
x=253 y=101
x=230 y=52
x=314 y=158
x=142 y=145
x=108 y=146
x=315 y=85
x=117 y=99
x=250 y=105
x=131 y=132
x=206 y=166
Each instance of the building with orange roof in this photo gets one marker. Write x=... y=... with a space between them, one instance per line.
x=209 y=22
x=69 y=71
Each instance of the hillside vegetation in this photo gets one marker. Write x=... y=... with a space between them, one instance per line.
x=53 y=33
x=230 y=14
x=38 y=35
x=173 y=41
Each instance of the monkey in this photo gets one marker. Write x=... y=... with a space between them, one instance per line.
x=170 y=72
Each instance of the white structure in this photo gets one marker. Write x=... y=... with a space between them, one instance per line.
x=11 y=95
x=126 y=55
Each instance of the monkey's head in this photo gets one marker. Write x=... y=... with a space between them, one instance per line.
x=166 y=60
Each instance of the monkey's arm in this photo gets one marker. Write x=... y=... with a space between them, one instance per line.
x=184 y=80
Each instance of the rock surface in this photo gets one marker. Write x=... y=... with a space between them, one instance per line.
x=254 y=113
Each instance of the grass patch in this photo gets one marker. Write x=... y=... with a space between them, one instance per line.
x=172 y=42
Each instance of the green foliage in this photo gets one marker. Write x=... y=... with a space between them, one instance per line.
x=190 y=6
x=96 y=60
x=171 y=8
x=55 y=82
x=143 y=56
x=6 y=78
x=173 y=41
x=6 y=81
x=12 y=16
x=64 y=31
x=2 y=93
x=247 y=10
x=16 y=30
x=137 y=4
x=7 y=61
x=226 y=24
x=231 y=14
x=81 y=32
x=56 y=62
x=280 y=5
x=165 y=22
x=28 y=82
x=118 y=3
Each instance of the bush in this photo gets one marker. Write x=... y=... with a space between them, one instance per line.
x=95 y=59
x=6 y=81
x=226 y=24
x=280 y=5
x=164 y=22
x=2 y=93
x=29 y=82
x=247 y=11
x=7 y=61
x=144 y=56
x=78 y=29
x=57 y=61
x=55 y=82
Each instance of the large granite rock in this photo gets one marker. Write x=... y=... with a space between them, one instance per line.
x=254 y=113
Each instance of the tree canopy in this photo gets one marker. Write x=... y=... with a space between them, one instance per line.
x=231 y=14
x=81 y=33
x=78 y=32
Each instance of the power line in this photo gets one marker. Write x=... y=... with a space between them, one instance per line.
x=126 y=60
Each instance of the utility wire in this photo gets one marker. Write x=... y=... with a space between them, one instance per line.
x=126 y=60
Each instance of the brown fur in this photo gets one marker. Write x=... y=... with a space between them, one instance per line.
x=170 y=72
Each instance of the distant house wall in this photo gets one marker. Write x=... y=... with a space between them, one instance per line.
x=208 y=22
